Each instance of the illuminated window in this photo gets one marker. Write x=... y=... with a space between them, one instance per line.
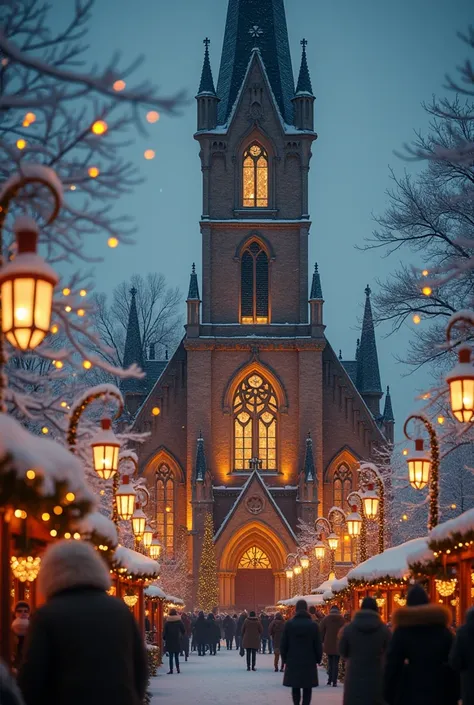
x=255 y=423
x=254 y=285
x=255 y=558
x=342 y=487
x=165 y=509
x=255 y=177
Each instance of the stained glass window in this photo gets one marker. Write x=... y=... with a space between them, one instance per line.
x=165 y=509
x=342 y=487
x=255 y=177
x=255 y=558
x=255 y=423
x=254 y=285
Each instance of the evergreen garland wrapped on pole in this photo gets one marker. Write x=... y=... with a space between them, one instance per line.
x=208 y=585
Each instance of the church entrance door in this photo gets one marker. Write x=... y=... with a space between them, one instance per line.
x=254 y=582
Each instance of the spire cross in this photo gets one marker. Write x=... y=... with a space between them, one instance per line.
x=368 y=290
x=133 y=291
x=304 y=44
x=194 y=268
x=206 y=42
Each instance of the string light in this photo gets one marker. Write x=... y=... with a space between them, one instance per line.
x=405 y=451
x=21 y=143
x=441 y=420
x=99 y=127
x=149 y=154
x=68 y=309
x=81 y=312
x=46 y=516
x=58 y=510
x=66 y=291
x=416 y=319
x=425 y=272
x=67 y=535
x=53 y=533
x=30 y=474
x=59 y=364
x=54 y=329
x=208 y=586
x=83 y=292
x=119 y=85
x=93 y=172
x=25 y=569
x=29 y=119
x=112 y=242
x=156 y=411
x=87 y=364
x=427 y=291
x=45 y=430
x=70 y=496
x=152 y=116
x=64 y=404
x=72 y=187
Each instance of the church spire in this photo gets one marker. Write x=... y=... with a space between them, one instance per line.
x=309 y=471
x=193 y=293
x=193 y=302
x=207 y=82
x=207 y=100
x=200 y=469
x=316 y=290
x=304 y=79
x=261 y=24
x=316 y=303
x=133 y=354
x=368 y=374
x=388 y=409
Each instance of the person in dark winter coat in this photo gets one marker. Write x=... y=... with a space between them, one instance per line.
x=363 y=644
x=186 y=620
x=330 y=628
x=9 y=692
x=83 y=646
x=214 y=634
x=276 y=632
x=461 y=658
x=238 y=629
x=265 y=622
x=201 y=634
x=172 y=634
x=301 y=651
x=251 y=636
x=416 y=670
x=229 y=631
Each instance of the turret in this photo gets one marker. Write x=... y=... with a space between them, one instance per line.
x=133 y=389
x=207 y=99
x=193 y=302
x=368 y=373
x=388 y=419
x=316 y=303
x=303 y=101
x=308 y=486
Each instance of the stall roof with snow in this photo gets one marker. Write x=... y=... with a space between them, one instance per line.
x=312 y=600
x=134 y=564
x=391 y=565
x=453 y=531
x=323 y=587
x=99 y=529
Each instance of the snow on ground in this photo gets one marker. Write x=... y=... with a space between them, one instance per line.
x=223 y=680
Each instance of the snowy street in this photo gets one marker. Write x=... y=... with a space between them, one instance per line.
x=224 y=680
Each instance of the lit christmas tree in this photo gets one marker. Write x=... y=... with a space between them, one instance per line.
x=208 y=587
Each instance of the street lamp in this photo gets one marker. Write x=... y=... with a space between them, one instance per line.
x=424 y=467
x=138 y=522
x=333 y=541
x=304 y=560
x=297 y=570
x=289 y=573
x=320 y=550
x=125 y=498
x=147 y=537
x=105 y=451
x=155 y=548
x=461 y=378
x=354 y=522
x=419 y=466
x=370 y=502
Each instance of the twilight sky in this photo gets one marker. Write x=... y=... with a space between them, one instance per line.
x=372 y=63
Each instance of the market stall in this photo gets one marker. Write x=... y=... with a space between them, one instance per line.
x=133 y=571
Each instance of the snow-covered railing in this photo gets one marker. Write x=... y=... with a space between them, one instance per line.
x=134 y=565
x=389 y=567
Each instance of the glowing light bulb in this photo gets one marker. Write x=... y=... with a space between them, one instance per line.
x=149 y=154
x=416 y=319
x=58 y=510
x=156 y=411
x=152 y=116
x=112 y=242
x=21 y=143
x=93 y=172
x=30 y=474
x=66 y=291
x=119 y=85
x=53 y=533
x=70 y=496
x=99 y=127
x=425 y=272
x=59 y=364
x=72 y=187
x=87 y=364
x=83 y=292
x=45 y=430
x=427 y=290
x=441 y=420
x=68 y=309
x=81 y=312
x=405 y=451
x=54 y=329
x=46 y=516
x=21 y=313
x=64 y=404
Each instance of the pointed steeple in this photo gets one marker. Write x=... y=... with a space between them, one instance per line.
x=200 y=469
x=261 y=24
x=388 y=410
x=304 y=79
x=207 y=82
x=368 y=374
x=316 y=290
x=193 y=293
x=309 y=471
x=133 y=354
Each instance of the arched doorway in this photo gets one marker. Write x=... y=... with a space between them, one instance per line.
x=254 y=581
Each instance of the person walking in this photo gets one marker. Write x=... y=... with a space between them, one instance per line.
x=214 y=633
x=275 y=632
x=363 y=644
x=20 y=627
x=200 y=633
x=461 y=658
x=265 y=622
x=330 y=627
x=172 y=634
x=229 y=631
x=417 y=670
x=186 y=620
x=238 y=631
x=83 y=646
x=251 y=637
x=301 y=652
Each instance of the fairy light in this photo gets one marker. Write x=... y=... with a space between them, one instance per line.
x=416 y=319
x=67 y=535
x=153 y=116
x=66 y=291
x=68 y=309
x=58 y=510
x=99 y=127
x=53 y=533
x=54 y=329
x=72 y=187
x=112 y=242
x=93 y=172
x=87 y=364
x=46 y=516
x=59 y=364
x=156 y=411
x=81 y=312
x=21 y=143
x=405 y=451
x=64 y=404
x=427 y=291
x=149 y=154
x=425 y=272
x=30 y=474
x=83 y=292
x=76 y=536
x=45 y=430
x=119 y=85
x=70 y=496
x=441 y=420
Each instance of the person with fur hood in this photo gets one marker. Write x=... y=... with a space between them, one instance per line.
x=461 y=658
x=417 y=670
x=172 y=634
x=83 y=646
x=363 y=644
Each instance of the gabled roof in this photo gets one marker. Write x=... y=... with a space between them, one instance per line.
x=255 y=477
x=250 y=24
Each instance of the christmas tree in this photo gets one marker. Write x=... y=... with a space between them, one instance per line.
x=208 y=587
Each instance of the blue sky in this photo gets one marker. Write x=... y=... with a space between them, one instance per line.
x=372 y=64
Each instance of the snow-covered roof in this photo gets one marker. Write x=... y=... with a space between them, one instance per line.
x=392 y=563
x=153 y=591
x=421 y=557
x=323 y=587
x=328 y=595
x=135 y=564
x=174 y=600
x=51 y=462
x=98 y=524
x=339 y=585
x=453 y=528
x=312 y=600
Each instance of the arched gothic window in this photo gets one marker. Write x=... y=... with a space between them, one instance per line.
x=165 y=508
x=255 y=423
x=254 y=558
x=254 y=285
x=255 y=177
x=342 y=487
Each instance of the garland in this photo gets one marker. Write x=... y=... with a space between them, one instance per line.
x=386 y=581
x=77 y=412
x=456 y=543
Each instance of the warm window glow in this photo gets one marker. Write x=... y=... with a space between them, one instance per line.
x=165 y=509
x=255 y=559
x=255 y=423
x=254 y=285
x=342 y=487
x=255 y=177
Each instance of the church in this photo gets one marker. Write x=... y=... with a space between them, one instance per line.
x=254 y=419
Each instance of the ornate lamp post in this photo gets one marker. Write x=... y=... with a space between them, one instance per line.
x=423 y=467
x=325 y=527
x=304 y=562
x=105 y=451
x=373 y=498
x=461 y=378
x=289 y=578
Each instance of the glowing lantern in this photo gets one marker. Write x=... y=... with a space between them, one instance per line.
x=461 y=386
x=304 y=560
x=333 y=541
x=354 y=522
x=138 y=521
x=130 y=600
x=446 y=587
x=99 y=127
x=147 y=536
x=26 y=285
x=155 y=548
x=105 y=451
x=125 y=497
x=371 y=501
x=25 y=569
x=419 y=466
x=297 y=570
x=289 y=573
x=319 y=550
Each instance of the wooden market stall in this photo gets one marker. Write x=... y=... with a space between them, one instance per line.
x=155 y=599
x=133 y=571
x=384 y=576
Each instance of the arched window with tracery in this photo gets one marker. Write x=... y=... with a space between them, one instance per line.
x=255 y=559
x=255 y=177
x=254 y=284
x=255 y=423
x=342 y=487
x=165 y=508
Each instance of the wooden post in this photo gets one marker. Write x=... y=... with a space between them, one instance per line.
x=465 y=585
x=141 y=609
x=5 y=605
